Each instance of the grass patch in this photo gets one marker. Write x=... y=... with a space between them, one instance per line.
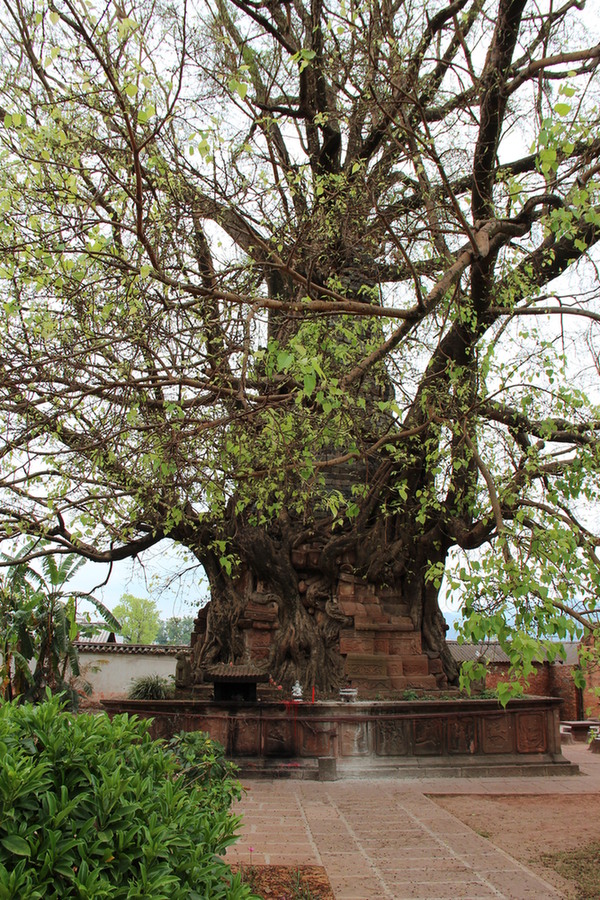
x=579 y=866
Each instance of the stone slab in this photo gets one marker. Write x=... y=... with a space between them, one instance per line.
x=361 y=665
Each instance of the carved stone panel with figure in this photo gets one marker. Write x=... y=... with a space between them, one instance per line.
x=531 y=733
x=498 y=734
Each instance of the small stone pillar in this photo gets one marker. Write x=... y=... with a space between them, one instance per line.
x=327 y=768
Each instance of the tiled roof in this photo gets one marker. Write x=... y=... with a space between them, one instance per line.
x=572 y=651
x=493 y=653
x=224 y=672
x=462 y=652
x=130 y=649
x=101 y=636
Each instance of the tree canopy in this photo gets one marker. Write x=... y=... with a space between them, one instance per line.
x=286 y=272
x=175 y=630
x=139 y=619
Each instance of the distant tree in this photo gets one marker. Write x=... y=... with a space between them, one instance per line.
x=139 y=618
x=176 y=630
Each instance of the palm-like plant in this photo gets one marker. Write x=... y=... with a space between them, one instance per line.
x=17 y=640
x=39 y=625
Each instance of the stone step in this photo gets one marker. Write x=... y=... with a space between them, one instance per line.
x=369 y=665
x=405 y=643
x=394 y=609
x=421 y=683
x=405 y=767
x=370 y=687
x=357 y=643
x=358 y=609
x=402 y=623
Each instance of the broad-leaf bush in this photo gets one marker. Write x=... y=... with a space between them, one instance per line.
x=94 y=808
x=202 y=762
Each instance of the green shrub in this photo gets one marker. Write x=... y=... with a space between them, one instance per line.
x=410 y=695
x=202 y=762
x=92 y=808
x=150 y=687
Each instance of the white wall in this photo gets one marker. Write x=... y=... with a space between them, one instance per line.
x=111 y=672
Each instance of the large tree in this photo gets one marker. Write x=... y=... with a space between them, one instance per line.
x=296 y=286
x=139 y=619
x=175 y=630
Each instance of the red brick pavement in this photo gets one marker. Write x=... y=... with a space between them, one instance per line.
x=386 y=839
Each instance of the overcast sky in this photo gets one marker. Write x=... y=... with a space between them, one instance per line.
x=177 y=584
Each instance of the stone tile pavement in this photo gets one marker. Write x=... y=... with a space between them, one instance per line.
x=387 y=839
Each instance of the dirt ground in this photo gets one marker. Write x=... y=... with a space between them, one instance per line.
x=289 y=882
x=531 y=828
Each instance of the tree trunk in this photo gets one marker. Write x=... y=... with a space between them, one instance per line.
x=326 y=612
x=338 y=602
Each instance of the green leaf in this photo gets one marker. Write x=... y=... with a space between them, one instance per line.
x=238 y=87
x=284 y=360
x=16 y=844
x=310 y=382
x=562 y=109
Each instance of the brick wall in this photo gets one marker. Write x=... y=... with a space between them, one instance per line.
x=591 y=692
x=591 y=700
x=546 y=681
x=562 y=684
x=539 y=682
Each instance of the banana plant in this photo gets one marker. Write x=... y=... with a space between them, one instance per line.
x=39 y=625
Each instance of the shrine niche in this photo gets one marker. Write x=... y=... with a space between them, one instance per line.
x=234 y=683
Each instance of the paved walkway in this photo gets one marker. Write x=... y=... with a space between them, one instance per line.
x=388 y=839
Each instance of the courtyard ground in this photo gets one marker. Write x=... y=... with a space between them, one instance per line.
x=435 y=839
